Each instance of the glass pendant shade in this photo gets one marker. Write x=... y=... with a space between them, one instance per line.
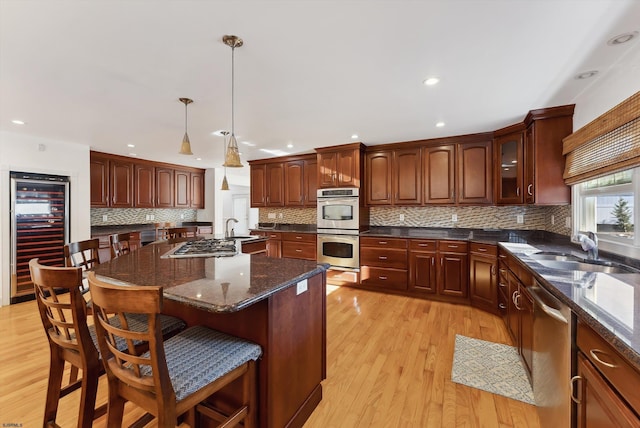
x=185 y=148
x=232 y=157
x=225 y=183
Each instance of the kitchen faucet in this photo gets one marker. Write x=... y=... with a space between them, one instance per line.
x=589 y=243
x=228 y=235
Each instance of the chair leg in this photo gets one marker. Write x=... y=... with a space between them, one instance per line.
x=88 y=397
x=250 y=397
x=73 y=374
x=56 y=369
x=116 y=408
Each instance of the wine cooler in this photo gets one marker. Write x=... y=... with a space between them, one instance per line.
x=39 y=226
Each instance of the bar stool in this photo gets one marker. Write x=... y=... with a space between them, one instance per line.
x=182 y=232
x=175 y=376
x=82 y=254
x=119 y=243
x=64 y=318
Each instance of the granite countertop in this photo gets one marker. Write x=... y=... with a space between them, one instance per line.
x=214 y=284
x=296 y=228
x=608 y=302
x=491 y=236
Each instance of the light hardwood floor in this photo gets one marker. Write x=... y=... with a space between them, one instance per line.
x=388 y=364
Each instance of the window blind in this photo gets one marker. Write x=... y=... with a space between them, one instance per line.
x=607 y=144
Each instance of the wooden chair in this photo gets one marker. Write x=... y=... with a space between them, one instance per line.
x=82 y=254
x=175 y=376
x=182 y=232
x=119 y=243
x=64 y=317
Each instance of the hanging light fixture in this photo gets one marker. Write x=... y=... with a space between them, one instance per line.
x=225 y=183
x=232 y=156
x=185 y=148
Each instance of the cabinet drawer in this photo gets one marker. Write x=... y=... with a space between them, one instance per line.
x=299 y=250
x=387 y=278
x=422 y=245
x=299 y=237
x=384 y=257
x=338 y=277
x=274 y=235
x=453 y=246
x=370 y=241
x=610 y=363
x=487 y=249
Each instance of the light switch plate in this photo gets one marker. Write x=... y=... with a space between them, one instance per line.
x=454 y=217
x=272 y=215
x=401 y=217
x=520 y=218
x=104 y=217
x=301 y=287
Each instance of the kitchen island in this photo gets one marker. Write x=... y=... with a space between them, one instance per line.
x=278 y=303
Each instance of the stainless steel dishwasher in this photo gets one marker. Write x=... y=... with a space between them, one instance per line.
x=551 y=371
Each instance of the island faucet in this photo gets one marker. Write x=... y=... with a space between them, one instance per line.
x=589 y=243
x=228 y=234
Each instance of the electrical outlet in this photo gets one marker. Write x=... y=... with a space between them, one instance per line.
x=272 y=215
x=301 y=287
x=105 y=217
x=553 y=219
x=520 y=219
x=454 y=217
x=401 y=217
x=146 y=217
x=153 y=216
x=280 y=215
x=182 y=216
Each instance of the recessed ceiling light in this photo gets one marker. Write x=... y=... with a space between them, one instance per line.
x=219 y=133
x=354 y=136
x=622 y=38
x=198 y=158
x=17 y=122
x=289 y=146
x=430 y=81
x=131 y=145
x=586 y=74
x=440 y=124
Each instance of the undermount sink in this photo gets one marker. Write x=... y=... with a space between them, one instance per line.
x=547 y=255
x=587 y=266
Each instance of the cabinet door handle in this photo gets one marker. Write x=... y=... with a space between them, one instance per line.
x=502 y=284
x=433 y=261
x=502 y=271
x=518 y=191
x=493 y=270
x=530 y=189
x=572 y=383
x=594 y=353
x=382 y=257
x=502 y=306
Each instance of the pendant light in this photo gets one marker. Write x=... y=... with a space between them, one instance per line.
x=225 y=183
x=185 y=148
x=232 y=156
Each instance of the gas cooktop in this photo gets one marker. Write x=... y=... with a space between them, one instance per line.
x=205 y=248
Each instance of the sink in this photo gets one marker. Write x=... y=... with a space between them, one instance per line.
x=548 y=255
x=587 y=266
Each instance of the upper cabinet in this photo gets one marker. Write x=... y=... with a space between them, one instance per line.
x=284 y=182
x=455 y=170
x=529 y=160
x=340 y=166
x=122 y=182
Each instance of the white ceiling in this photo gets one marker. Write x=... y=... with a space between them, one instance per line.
x=310 y=73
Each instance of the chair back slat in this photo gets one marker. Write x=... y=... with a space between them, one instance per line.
x=119 y=243
x=82 y=254
x=148 y=371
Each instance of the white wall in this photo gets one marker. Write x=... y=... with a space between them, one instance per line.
x=28 y=154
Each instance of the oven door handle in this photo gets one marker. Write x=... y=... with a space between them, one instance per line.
x=554 y=313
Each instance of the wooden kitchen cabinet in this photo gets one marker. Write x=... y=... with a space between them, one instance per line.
x=99 y=176
x=383 y=263
x=258 y=178
x=340 y=166
x=310 y=182
x=197 y=190
x=300 y=182
x=164 y=188
x=439 y=174
x=509 y=155
x=483 y=276
x=121 y=183
x=475 y=173
x=378 y=167
x=394 y=177
x=267 y=184
x=453 y=269
x=182 y=189
x=145 y=186
x=422 y=266
x=299 y=245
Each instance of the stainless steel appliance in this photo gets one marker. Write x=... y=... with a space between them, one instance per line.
x=551 y=369
x=340 y=251
x=39 y=226
x=339 y=211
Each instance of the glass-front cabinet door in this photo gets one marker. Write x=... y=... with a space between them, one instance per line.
x=509 y=171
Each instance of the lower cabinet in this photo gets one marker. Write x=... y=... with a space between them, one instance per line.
x=383 y=263
x=299 y=245
x=606 y=386
x=483 y=276
x=274 y=243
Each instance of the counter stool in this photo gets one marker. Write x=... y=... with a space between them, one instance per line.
x=175 y=376
x=182 y=232
x=119 y=243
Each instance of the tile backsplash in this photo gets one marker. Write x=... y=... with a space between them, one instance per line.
x=122 y=216
x=533 y=217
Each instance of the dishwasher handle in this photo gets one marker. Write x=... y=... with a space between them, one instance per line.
x=554 y=313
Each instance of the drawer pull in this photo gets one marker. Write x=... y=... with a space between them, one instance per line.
x=502 y=306
x=382 y=278
x=382 y=242
x=594 y=353
x=482 y=249
x=382 y=257
x=452 y=246
x=572 y=383
x=298 y=237
x=423 y=245
x=298 y=250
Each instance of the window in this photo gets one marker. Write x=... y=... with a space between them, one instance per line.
x=606 y=205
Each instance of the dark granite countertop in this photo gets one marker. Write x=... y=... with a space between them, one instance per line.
x=214 y=284
x=296 y=228
x=111 y=229
x=608 y=302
